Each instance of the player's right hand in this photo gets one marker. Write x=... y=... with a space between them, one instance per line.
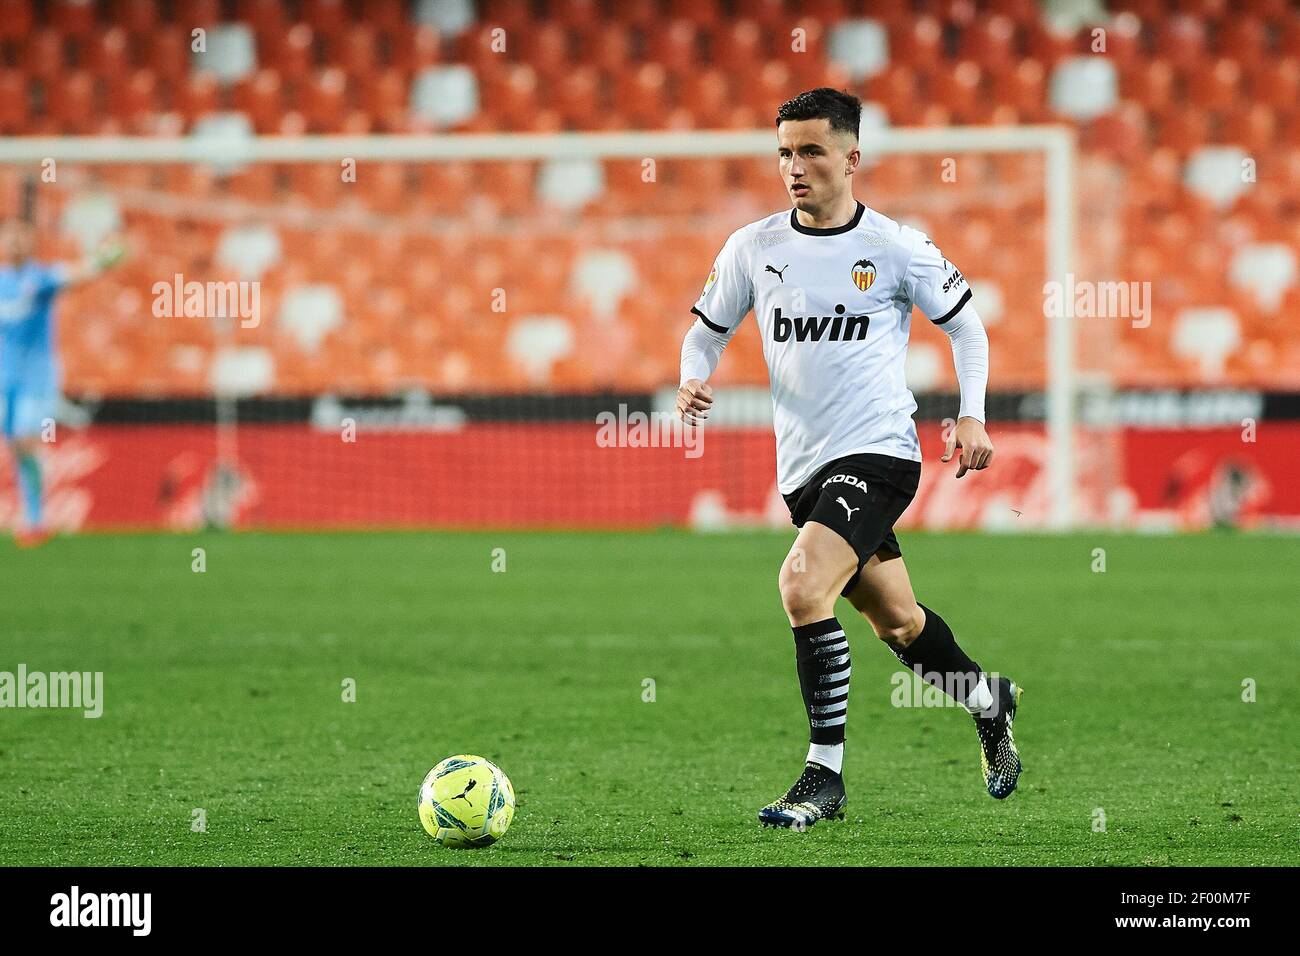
x=694 y=398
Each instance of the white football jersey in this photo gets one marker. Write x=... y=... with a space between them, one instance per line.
x=834 y=308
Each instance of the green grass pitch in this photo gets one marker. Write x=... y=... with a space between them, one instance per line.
x=223 y=691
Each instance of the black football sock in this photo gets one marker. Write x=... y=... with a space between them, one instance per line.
x=937 y=658
x=822 y=657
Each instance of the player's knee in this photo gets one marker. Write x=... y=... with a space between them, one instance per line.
x=804 y=599
x=899 y=627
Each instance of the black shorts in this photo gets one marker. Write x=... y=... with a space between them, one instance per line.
x=860 y=497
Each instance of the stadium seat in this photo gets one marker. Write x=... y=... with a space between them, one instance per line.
x=577 y=95
x=231 y=53
x=1243 y=38
x=859 y=47
x=1266 y=272
x=198 y=96
x=293 y=52
x=108 y=54
x=1216 y=172
x=1206 y=336
x=165 y=50
x=72 y=18
x=15 y=102
x=1150 y=83
x=1274 y=83
x=44 y=55
x=1084 y=87
x=421 y=48
x=355 y=50
x=1215 y=85
x=1180 y=40
x=989 y=42
x=956 y=86
x=70 y=101
x=449 y=17
x=444 y=95
x=738 y=46
x=324 y=99
x=17 y=20
x=676 y=45
x=917 y=42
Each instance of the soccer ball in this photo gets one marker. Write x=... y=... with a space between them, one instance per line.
x=466 y=801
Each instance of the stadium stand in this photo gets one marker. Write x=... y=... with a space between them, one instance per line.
x=1180 y=103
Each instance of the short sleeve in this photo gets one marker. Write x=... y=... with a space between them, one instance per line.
x=728 y=292
x=934 y=284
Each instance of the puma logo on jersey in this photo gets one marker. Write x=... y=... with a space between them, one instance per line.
x=814 y=328
x=847 y=508
x=778 y=272
x=849 y=479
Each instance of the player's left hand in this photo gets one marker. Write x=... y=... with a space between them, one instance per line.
x=973 y=440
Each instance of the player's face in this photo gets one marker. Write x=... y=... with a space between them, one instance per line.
x=816 y=164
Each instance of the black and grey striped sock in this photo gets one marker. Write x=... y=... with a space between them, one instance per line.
x=822 y=656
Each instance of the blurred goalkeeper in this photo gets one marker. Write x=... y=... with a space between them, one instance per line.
x=832 y=285
x=29 y=365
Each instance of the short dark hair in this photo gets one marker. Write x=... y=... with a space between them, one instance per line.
x=844 y=110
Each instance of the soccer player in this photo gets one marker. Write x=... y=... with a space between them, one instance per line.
x=29 y=366
x=832 y=284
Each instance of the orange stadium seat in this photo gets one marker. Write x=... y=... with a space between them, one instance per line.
x=196 y=13
x=262 y=16
x=1215 y=85
x=1048 y=45
x=738 y=46
x=261 y=98
x=1150 y=83
x=15 y=103
x=417 y=49
x=575 y=15
x=199 y=95
x=1020 y=84
x=70 y=100
x=989 y=42
x=165 y=50
x=1191 y=73
x=675 y=45
x=1275 y=83
x=326 y=16
x=108 y=54
x=132 y=94
x=355 y=50
x=293 y=52
x=16 y=20
x=44 y=54
x=323 y=99
x=917 y=42
x=384 y=95
x=72 y=18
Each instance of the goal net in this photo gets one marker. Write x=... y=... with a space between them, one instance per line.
x=483 y=331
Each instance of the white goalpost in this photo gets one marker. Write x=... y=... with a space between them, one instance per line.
x=1056 y=144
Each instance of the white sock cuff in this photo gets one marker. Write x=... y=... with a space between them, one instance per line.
x=830 y=756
